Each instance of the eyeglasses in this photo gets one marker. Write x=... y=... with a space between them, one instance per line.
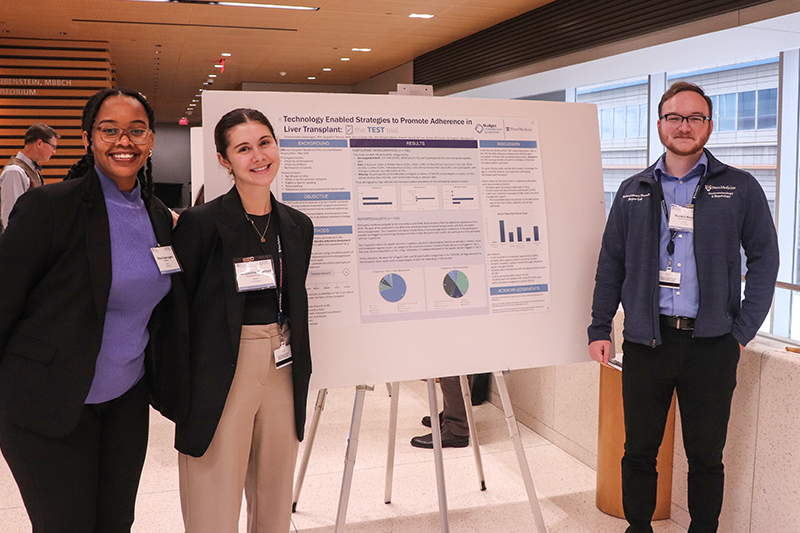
x=53 y=146
x=136 y=135
x=675 y=120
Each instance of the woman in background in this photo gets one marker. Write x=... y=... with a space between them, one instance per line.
x=81 y=291
x=245 y=258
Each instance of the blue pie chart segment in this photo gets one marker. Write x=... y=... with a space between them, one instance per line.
x=456 y=284
x=392 y=287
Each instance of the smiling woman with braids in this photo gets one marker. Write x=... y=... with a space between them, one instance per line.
x=81 y=303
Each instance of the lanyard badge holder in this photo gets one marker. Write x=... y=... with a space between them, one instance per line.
x=258 y=273
x=283 y=355
x=680 y=218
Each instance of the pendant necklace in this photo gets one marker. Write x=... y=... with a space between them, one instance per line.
x=261 y=235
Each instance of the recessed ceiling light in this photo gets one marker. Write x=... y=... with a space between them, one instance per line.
x=267 y=6
x=345 y=59
x=225 y=54
x=212 y=75
x=327 y=69
x=312 y=77
x=282 y=73
x=361 y=49
x=420 y=16
x=235 y=4
x=218 y=66
x=192 y=105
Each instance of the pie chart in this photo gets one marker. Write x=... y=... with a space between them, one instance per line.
x=456 y=284
x=392 y=287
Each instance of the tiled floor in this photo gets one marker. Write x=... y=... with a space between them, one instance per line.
x=565 y=485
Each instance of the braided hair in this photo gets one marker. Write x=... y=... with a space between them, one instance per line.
x=90 y=110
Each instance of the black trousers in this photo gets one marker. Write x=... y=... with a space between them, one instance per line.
x=703 y=372
x=85 y=482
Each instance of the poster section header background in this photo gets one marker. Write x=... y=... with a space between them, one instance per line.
x=374 y=353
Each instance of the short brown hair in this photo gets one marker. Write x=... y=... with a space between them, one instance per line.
x=40 y=131
x=681 y=86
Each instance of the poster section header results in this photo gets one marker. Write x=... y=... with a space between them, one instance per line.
x=418 y=218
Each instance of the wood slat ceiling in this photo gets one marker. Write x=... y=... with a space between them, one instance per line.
x=167 y=50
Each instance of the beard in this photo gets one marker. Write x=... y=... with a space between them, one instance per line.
x=671 y=142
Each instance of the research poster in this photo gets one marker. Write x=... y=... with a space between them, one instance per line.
x=417 y=217
x=429 y=219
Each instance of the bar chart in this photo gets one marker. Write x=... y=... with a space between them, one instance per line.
x=460 y=197
x=517 y=232
x=372 y=199
x=420 y=197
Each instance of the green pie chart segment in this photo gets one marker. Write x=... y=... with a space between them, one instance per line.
x=456 y=284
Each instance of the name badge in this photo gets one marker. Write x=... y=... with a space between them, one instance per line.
x=667 y=279
x=166 y=260
x=681 y=218
x=283 y=355
x=254 y=273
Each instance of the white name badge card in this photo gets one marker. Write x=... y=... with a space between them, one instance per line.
x=667 y=279
x=681 y=218
x=166 y=260
x=254 y=273
x=283 y=355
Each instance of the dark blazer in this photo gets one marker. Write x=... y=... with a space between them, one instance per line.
x=55 y=277
x=206 y=240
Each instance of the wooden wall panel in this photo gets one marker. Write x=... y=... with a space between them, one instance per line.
x=49 y=81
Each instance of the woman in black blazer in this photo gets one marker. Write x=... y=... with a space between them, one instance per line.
x=245 y=258
x=80 y=294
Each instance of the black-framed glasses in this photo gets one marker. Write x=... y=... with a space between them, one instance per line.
x=674 y=119
x=53 y=146
x=136 y=135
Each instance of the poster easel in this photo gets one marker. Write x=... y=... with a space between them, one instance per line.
x=394 y=389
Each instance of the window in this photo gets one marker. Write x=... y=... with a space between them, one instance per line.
x=747 y=111
x=606 y=124
x=643 y=120
x=619 y=122
x=726 y=112
x=622 y=117
x=767 y=108
x=632 y=121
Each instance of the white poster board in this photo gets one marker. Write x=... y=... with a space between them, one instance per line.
x=452 y=236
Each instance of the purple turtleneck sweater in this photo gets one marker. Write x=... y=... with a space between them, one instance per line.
x=136 y=288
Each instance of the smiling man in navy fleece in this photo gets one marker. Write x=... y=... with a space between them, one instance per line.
x=671 y=255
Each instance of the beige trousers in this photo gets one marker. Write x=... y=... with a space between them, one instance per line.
x=254 y=448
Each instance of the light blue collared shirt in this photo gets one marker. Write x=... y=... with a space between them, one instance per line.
x=685 y=300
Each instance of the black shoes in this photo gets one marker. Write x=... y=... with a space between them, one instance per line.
x=426 y=420
x=448 y=440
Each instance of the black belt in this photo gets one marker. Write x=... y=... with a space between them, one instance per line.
x=678 y=322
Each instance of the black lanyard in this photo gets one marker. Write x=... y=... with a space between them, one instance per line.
x=279 y=277
x=672 y=233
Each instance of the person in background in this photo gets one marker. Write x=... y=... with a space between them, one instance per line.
x=245 y=258
x=21 y=173
x=452 y=418
x=81 y=302
x=671 y=255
